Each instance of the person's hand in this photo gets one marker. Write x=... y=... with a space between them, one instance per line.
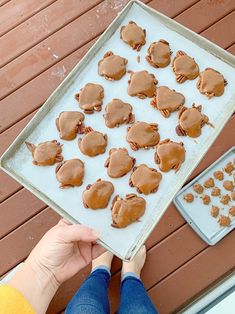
x=60 y=254
x=65 y=249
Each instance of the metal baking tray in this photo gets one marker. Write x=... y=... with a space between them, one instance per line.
x=196 y=213
x=41 y=181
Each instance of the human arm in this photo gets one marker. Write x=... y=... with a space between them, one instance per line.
x=61 y=253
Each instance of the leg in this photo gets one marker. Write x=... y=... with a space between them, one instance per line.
x=134 y=298
x=92 y=296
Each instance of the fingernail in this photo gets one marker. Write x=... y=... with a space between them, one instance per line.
x=95 y=233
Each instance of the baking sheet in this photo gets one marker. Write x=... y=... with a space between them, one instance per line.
x=41 y=181
x=197 y=214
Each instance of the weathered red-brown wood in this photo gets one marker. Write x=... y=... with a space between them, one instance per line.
x=16 y=246
x=171 y=8
x=33 y=97
x=28 y=65
x=231 y=49
x=207 y=13
x=169 y=223
x=17 y=209
x=16 y=73
x=8 y=186
x=41 y=26
x=69 y=287
x=171 y=232
x=171 y=253
x=7 y=137
x=198 y=274
x=39 y=58
x=223 y=32
x=163 y=258
x=16 y=12
x=213 y=153
x=49 y=51
x=224 y=141
x=30 y=97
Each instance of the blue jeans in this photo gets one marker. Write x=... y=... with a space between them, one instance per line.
x=92 y=296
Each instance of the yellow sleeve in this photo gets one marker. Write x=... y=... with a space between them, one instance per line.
x=13 y=302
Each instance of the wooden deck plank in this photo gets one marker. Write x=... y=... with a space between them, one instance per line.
x=27 y=66
x=7 y=137
x=50 y=51
x=71 y=285
x=173 y=249
x=40 y=26
x=8 y=116
x=178 y=289
x=17 y=209
x=163 y=292
x=16 y=12
x=163 y=259
x=169 y=223
x=223 y=142
x=165 y=226
x=223 y=32
x=171 y=8
x=35 y=96
x=163 y=230
x=16 y=257
x=7 y=113
x=231 y=49
x=176 y=249
x=175 y=245
x=18 y=244
x=36 y=60
x=205 y=13
x=8 y=186
x=85 y=273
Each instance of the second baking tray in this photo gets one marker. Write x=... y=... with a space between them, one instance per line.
x=41 y=181
x=196 y=213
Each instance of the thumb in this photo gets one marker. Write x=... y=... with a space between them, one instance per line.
x=74 y=233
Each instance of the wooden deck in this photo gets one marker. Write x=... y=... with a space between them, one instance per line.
x=39 y=38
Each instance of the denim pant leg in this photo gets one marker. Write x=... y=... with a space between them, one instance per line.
x=134 y=298
x=92 y=296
